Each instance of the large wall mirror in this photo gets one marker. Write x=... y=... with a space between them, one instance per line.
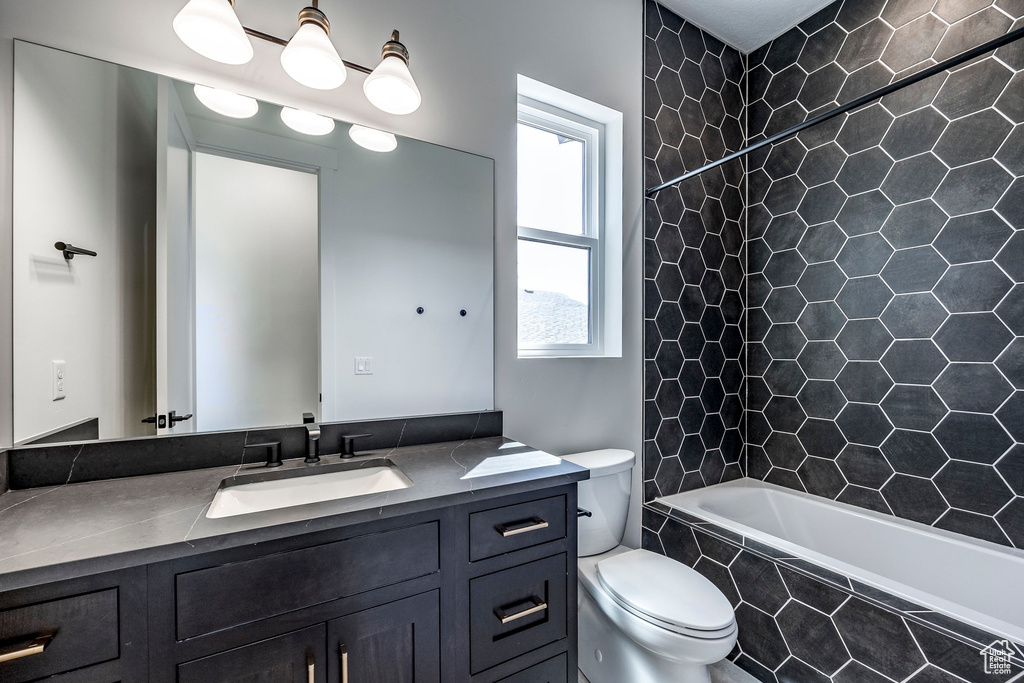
x=244 y=273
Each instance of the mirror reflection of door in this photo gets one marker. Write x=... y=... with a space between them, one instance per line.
x=257 y=293
x=175 y=270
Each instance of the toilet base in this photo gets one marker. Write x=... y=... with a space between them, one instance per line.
x=606 y=655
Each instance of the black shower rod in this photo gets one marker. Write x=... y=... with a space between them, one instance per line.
x=850 y=106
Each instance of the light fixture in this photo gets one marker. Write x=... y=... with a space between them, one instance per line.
x=211 y=28
x=372 y=139
x=310 y=57
x=306 y=122
x=390 y=87
x=227 y=103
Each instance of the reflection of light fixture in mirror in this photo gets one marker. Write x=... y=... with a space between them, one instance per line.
x=226 y=103
x=372 y=139
x=211 y=28
x=310 y=57
x=391 y=87
x=306 y=122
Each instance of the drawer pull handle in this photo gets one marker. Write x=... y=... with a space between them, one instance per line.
x=344 y=664
x=36 y=647
x=310 y=668
x=505 y=617
x=532 y=524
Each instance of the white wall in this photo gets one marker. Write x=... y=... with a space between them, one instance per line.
x=257 y=335
x=410 y=228
x=407 y=229
x=84 y=176
x=465 y=55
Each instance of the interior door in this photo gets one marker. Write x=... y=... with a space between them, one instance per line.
x=395 y=643
x=175 y=266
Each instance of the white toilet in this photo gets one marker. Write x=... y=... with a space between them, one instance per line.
x=643 y=617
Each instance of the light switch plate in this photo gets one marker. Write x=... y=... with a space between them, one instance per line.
x=59 y=372
x=364 y=365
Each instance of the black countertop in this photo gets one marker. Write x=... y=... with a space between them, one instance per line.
x=56 y=533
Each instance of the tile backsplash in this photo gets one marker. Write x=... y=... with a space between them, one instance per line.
x=57 y=464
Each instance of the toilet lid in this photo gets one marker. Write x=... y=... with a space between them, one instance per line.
x=665 y=590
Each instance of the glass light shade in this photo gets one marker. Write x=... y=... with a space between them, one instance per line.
x=306 y=122
x=372 y=139
x=391 y=87
x=310 y=59
x=227 y=103
x=211 y=28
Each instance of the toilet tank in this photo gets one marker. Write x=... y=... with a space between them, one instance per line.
x=606 y=495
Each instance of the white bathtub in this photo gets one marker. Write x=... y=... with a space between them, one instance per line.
x=976 y=582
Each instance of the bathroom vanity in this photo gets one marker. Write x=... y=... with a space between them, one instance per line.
x=467 y=575
x=144 y=538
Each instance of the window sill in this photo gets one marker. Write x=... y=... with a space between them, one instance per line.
x=568 y=355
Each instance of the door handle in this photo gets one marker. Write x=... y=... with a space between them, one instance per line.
x=35 y=647
x=175 y=419
x=344 y=664
x=159 y=420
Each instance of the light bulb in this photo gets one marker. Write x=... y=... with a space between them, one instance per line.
x=372 y=139
x=211 y=28
x=226 y=103
x=306 y=122
x=310 y=57
x=391 y=87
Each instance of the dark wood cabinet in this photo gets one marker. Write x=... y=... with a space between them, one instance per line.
x=298 y=657
x=554 y=670
x=84 y=630
x=395 y=643
x=225 y=596
x=508 y=528
x=59 y=635
x=516 y=610
x=475 y=593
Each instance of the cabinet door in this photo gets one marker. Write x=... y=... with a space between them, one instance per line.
x=395 y=643
x=297 y=657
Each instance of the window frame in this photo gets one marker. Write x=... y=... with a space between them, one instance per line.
x=592 y=133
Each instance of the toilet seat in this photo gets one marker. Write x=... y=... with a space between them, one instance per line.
x=666 y=593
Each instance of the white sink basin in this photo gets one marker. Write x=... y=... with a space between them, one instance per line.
x=303 y=487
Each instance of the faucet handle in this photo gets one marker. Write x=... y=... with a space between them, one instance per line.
x=348 y=444
x=312 y=444
x=273 y=452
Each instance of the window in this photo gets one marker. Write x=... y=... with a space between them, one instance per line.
x=567 y=300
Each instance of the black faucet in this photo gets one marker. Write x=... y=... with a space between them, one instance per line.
x=312 y=443
x=273 y=452
x=348 y=444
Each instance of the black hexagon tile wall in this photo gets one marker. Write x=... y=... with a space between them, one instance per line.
x=842 y=313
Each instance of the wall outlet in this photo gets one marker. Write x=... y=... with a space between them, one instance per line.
x=364 y=365
x=59 y=372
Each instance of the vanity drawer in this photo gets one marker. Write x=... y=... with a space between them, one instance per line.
x=517 y=610
x=218 y=598
x=84 y=631
x=514 y=527
x=554 y=670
